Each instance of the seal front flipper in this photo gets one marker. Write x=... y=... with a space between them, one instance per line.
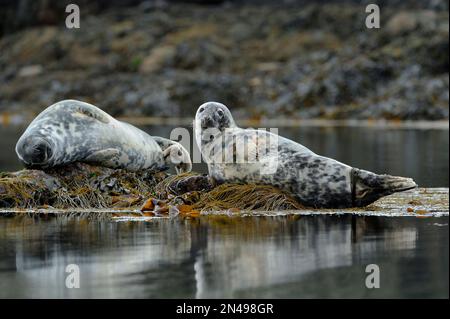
x=178 y=156
x=85 y=109
x=174 y=153
x=367 y=187
x=108 y=157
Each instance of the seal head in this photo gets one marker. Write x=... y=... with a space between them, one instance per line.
x=35 y=151
x=211 y=119
x=214 y=115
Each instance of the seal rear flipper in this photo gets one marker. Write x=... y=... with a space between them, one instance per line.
x=107 y=157
x=368 y=187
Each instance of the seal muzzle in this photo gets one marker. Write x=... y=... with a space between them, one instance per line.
x=34 y=151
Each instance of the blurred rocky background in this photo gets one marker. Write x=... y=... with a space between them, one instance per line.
x=297 y=59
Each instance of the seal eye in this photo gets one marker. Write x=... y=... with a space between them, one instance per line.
x=220 y=112
x=201 y=110
x=179 y=153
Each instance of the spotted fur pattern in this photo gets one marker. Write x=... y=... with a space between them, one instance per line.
x=314 y=180
x=73 y=131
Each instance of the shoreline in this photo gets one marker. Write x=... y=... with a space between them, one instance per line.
x=418 y=203
x=15 y=120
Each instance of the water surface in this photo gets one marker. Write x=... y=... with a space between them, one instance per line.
x=321 y=256
x=219 y=256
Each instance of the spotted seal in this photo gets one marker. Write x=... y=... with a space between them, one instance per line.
x=314 y=180
x=74 y=131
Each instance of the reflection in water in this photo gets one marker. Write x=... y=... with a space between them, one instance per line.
x=420 y=154
x=219 y=256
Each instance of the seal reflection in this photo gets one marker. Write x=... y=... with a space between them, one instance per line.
x=219 y=256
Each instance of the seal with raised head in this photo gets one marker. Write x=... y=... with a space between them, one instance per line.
x=239 y=155
x=73 y=131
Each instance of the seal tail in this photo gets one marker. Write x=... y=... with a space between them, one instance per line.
x=368 y=187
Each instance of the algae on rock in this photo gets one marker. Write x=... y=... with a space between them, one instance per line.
x=90 y=187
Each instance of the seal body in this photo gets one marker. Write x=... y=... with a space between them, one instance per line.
x=241 y=155
x=73 y=131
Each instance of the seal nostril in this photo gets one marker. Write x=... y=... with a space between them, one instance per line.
x=40 y=152
x=49 y=152
x=206 y=123
x=39 y=149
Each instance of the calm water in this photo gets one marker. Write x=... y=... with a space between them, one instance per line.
x=308 y=256
x=225 y=257
x=420 y=154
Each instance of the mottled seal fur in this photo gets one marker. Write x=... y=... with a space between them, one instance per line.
x=73 y=131
x=314 y=180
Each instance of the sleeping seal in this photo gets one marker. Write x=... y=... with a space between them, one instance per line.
x=241 y=155
x=73 y=131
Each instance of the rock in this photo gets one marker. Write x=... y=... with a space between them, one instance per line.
x=34 y=46
x=157 y=59
x=123 y=201
x=263 y=61
x=77 y=186
x=407 y=21
x=30 y=70
x=149 y=205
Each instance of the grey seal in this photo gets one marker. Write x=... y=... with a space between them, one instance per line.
x=74 y=131
x=315 y=181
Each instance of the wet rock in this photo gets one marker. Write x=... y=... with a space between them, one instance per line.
x=191 y=184
x=158 y=58
x=123 y=201
x=149 y=205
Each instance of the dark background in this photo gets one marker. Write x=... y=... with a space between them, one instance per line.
x=296 y=59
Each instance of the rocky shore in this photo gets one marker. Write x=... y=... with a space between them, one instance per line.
x=82 y=186
x=298 y=60
x=98 y=192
